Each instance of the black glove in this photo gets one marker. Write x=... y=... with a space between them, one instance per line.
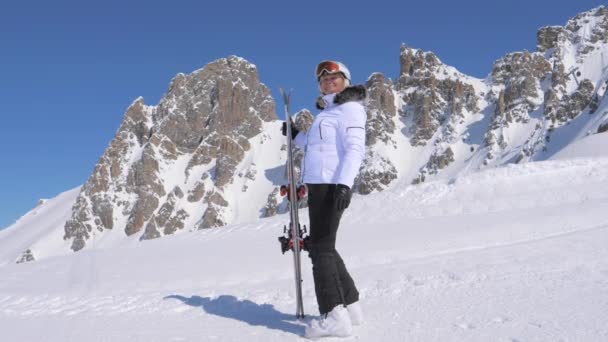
x=342 y=196
x=294 y=130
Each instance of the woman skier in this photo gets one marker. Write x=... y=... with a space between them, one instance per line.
x=334 y=148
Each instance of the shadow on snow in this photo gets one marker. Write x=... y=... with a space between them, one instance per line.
x=264 y=315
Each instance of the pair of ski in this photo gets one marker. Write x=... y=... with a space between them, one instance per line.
x=294 y=239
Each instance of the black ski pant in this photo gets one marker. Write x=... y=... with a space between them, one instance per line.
x=333 y=285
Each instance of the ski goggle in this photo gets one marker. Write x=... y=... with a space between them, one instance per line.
x=329 y=67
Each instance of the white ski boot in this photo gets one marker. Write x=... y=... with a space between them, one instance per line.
x=355 y=313
x=336 y=324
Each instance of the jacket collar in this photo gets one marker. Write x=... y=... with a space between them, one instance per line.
x=329 y=100
x=353 y=93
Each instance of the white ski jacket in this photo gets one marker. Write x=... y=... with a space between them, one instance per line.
x=334 y=145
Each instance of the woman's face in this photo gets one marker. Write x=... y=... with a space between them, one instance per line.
x=332 y=83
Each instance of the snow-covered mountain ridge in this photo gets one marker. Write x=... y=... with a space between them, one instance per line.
x=210 y=153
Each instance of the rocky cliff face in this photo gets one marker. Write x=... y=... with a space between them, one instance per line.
x=517 y=78
x=434 y=94
x=436 y=101
x=377 y=170
x=548 y=88
x=195 y=138
x=455 y=123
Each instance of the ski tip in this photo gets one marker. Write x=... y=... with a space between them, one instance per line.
x=285 y=94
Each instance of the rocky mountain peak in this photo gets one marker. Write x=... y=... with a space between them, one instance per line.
x=225 y=97
x=548 y=36
x=417 y=63
x=433 y=93
x=589 y=28
x=550 y=81
x=519 y=74
x=204 y=121
x=586 y=31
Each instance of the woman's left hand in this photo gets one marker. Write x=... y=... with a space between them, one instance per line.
x=342 y=196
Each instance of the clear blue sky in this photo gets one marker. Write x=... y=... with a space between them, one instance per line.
x=68 y=70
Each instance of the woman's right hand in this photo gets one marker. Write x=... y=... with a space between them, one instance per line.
x=294 y=130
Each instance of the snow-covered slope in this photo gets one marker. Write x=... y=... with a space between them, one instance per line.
x=41 y=228
x=512 y=253
x=593 y=145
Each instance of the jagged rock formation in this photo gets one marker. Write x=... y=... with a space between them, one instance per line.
x=548 y=81
x=381 y=110
x=377 y=170
x=433 y=94
x=27 y=256
x=303 y=121
x=518 y=76
x=376 y=173
x=436 y=101
x=200 y=131
x=437 y=161
x=272 y=206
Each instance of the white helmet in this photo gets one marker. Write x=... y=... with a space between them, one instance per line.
x=332 y=67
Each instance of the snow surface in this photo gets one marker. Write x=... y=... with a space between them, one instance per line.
x=593 y=145
x=516 y=253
